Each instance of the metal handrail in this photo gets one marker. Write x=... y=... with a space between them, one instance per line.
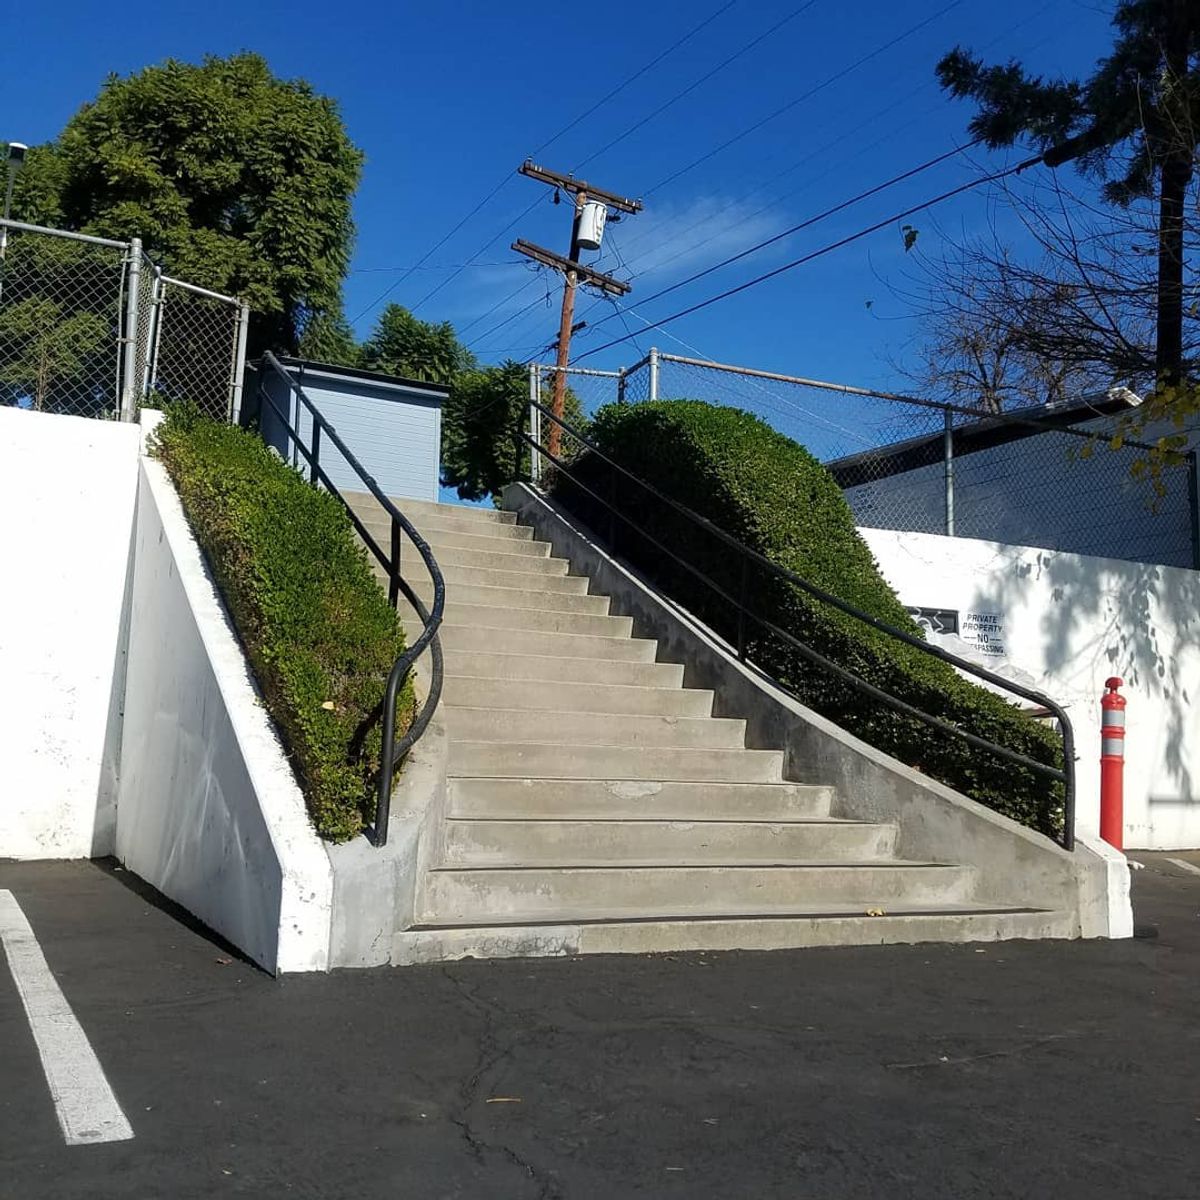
x=1065 y=775
x=392 y=751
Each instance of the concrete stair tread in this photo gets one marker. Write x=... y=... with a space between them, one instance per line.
x=768 y=822
x=534 y=598
x=590 y=761
x=474 y=797
x=714 y=934
x=547 y=643
x=459 y=614
x=602 y=869
x=565 y=668
x=562 y=695
x=572 y=727
x=596 y=916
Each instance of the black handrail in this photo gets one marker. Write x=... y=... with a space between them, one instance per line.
x=391 y=752
x=1065 y=775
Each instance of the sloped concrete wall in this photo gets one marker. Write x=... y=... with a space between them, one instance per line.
x=67 y=491
x=208 y=809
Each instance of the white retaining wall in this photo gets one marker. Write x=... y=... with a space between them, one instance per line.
x=67 y=490
x=1064 y=623
x=209 y=811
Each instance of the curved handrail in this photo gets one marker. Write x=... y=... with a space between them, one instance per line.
x=391 y=751
x=1065 y=775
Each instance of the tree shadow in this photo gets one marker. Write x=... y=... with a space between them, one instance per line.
x=1143 y=619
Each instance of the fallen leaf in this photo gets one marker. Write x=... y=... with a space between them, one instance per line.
x=329 y=706
x=875 y=912
x=224 y=962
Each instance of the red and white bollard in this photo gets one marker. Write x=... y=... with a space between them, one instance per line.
x=1112 y=765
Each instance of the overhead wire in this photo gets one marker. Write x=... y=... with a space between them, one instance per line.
x=866 y=58
x=692 y=32
x=937 y=160
x=827 y=249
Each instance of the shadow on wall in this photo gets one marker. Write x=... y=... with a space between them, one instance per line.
x=1143 y=619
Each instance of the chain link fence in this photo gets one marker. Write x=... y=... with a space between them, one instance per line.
x=584 y=391
x=1045 y=477
x=90 y=327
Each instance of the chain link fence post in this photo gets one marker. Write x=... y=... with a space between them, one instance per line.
x=239 y=365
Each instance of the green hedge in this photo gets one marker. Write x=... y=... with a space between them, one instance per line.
x=773 y=496
x=319 y=632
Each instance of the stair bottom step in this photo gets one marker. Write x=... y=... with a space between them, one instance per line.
x=742 y=931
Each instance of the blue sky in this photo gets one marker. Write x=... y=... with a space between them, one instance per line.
x=447 y=98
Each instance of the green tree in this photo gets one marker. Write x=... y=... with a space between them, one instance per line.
x=405 y=345
x=58 y=335
x=233 y=178
x=328 y=338
x=481 y=445
x=1134 y=123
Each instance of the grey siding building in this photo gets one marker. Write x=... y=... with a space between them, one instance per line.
x=392 y=426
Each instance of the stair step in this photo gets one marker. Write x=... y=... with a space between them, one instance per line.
x=547 y=760
x=799 y=930
x=525 y=597
x=431 y=527
x=573 y=585
x=552 y=895
x=489 y=616
x=458 y=556
x=551 y=696
x=486 y=543
x=514 y=843
x=542 y=667
x=626 y=730
x=622 y=799
x=431 y=510
x=535 y=642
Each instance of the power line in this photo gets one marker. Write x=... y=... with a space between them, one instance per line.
x=583 y=116
x=662 y=108
x=806 y=258
x=869 y=121
x=804 y=96
x=821 y=216
x=508 y=176
x=808 y=157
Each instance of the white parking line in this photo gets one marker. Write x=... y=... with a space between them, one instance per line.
x=1187 y=866
x=86 y=1107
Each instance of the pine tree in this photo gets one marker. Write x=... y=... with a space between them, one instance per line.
x=1135 y=123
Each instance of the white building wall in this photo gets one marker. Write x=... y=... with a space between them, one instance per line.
x=67 y=491
x=1064 y=623
x=209 y=810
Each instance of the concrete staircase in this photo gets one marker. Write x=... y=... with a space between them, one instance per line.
x=595 y=804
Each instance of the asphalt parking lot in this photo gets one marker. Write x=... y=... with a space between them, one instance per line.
x=1012 y=1069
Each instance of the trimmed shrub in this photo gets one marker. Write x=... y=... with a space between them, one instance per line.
x=318 y=631
x=771 y=495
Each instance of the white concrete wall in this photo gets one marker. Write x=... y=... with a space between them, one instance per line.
x=67 y=489
x=1064 y=623
x=209 y=811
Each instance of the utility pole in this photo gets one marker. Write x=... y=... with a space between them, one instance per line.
x=574 y=272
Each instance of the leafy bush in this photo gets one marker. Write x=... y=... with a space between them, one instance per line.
x=773 y=496
x=319 y=633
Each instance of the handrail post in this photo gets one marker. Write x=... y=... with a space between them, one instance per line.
x=316 y=453
x=394 y=572
x=741 y=624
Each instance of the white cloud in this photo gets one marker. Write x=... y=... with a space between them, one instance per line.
x=666 y=242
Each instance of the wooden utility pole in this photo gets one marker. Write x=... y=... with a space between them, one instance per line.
x=574 y=272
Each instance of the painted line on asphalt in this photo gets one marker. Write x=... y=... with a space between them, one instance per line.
x=1187 y=866
x=85 y=1104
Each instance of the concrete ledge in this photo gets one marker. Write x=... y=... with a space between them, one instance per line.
x=1014 y=866
x=208 y=809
